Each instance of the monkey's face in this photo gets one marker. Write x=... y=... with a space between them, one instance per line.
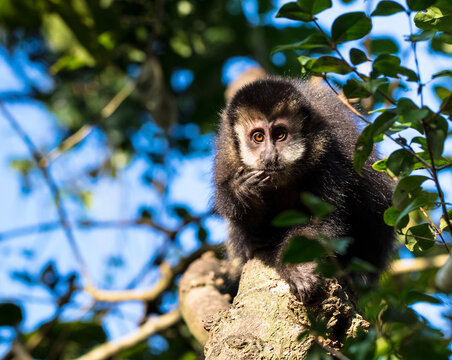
x=271 y=146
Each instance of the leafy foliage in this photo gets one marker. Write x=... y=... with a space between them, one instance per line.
x=415 y=162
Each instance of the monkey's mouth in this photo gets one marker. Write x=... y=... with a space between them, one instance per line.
x=273 y=170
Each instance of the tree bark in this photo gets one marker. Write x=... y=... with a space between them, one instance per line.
x=265 y=319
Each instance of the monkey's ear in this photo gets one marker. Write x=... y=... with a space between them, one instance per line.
x=250 y=75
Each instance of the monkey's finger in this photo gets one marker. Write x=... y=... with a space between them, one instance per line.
x=239 y=172
x=265 y=179
x=254 y=176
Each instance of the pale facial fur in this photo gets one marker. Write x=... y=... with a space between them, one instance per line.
x=292 y=150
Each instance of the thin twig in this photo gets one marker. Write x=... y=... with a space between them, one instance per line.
x=337 y=354
x=84 y=224
x=408 y=148
x=361 y=76
x=151 y=326
x=54 y=190
x=416 y=61
x=86 y=129
x=437 y=231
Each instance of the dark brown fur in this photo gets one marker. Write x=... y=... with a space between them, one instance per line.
x=325 y=170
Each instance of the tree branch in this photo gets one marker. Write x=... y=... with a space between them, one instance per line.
x=151 y=326
x=86 y=129
x=54 y=190
x=417 y=264
x=166 y=280
x=126 y=295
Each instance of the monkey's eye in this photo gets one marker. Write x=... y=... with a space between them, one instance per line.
x=280 y=134
x=258 y=137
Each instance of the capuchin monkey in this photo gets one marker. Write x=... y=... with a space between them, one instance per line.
x=279 y=138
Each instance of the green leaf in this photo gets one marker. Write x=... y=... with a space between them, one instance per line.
x=446 y=38
x=385 y=8
x=327 y=64
x=401 y=162
x=317 y=206
x=383 y=46
x=290 y=218
x=442 y=73
x=423 y=36
x=313 y=6
x=414 y=296
x=339 y=245
x=357 y=56
x=313 y=41
x=350 y=26
x=380 y=165
x=301 y=249
x=202 y=234
x=87 y=198
x=23 y=166
x=419 y=238
x=304 y=60
x=358 y=265
x=355 y=89
x=145 y=214
x=434 y=18
x=443 y=224
x=182 y=212
x=10 y=314
x=436 y=129
x=424 y=199
x=382 y=123
x=392 y=218
x=406 y=189
x=389 y=65
x=328 y=269
x=292 y=11
x=418 y=5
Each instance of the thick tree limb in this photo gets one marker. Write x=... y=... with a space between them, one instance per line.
x=200 y=298
x=265 y=318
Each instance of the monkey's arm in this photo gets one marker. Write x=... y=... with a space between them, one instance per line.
x=305 y=283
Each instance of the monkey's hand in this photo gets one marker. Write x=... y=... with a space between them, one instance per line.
x=248 y=186
x=304 y=282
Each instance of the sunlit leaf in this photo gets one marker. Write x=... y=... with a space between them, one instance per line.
x=433 y=19
x=419 y=238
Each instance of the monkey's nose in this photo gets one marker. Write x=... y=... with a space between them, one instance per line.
x=270 y=159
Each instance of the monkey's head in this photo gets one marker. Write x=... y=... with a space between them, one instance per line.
x=270 y=121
